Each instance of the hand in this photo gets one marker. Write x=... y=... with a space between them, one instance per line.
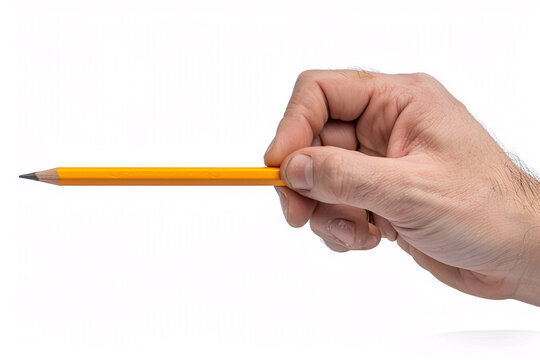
x=404 y=148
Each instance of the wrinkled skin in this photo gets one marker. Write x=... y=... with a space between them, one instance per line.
x=404 y=148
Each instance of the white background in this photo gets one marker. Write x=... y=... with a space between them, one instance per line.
x=172 y=272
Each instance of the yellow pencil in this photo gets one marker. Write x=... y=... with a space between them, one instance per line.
x=158 y=176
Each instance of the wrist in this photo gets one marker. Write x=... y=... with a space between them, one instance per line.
x=528 y=289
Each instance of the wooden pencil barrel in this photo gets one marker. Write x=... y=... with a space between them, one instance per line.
x=168 y=176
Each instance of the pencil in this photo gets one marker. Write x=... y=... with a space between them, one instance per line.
x=153 y=176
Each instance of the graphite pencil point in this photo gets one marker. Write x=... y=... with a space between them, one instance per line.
x=30 y=176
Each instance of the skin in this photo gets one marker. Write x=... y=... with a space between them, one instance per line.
x=404 y=148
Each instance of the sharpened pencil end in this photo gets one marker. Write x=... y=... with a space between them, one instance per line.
x=30 y=176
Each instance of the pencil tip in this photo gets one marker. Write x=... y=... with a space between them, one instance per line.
x=30 y=176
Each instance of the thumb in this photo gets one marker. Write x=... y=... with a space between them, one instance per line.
x=337 y=176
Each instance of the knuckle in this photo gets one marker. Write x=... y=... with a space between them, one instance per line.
x=422 y=77
x=333 y=246
x=424 y=86
x=336 y=177
x=306 y=74
x=315 y=226
x=316 y=223
x=424 y=82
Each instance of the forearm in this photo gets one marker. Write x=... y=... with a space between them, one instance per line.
x=529 y=285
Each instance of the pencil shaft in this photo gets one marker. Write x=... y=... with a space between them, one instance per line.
x=118 y=176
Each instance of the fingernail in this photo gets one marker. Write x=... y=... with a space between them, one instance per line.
x=269 y=147
x=284 y=201
x=343 y=230
x=299 y=172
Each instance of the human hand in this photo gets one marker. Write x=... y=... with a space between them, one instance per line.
x=404 y=148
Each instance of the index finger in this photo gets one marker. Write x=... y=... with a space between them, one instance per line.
x=319 y=95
